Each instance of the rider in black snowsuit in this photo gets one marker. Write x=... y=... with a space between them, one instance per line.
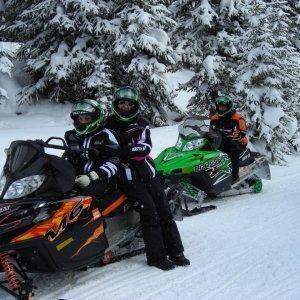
x=96 y=171
x=142 y=184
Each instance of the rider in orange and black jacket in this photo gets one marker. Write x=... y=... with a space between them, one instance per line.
x=232 y=127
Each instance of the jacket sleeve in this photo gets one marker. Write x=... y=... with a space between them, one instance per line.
x=214 y=122
x=108 y=170
x=109 y=166
x=142 y=147
x=241 y=126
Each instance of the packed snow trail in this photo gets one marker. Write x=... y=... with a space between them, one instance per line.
x=249 y=248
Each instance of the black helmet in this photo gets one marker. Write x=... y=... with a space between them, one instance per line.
x=90 y=108
x=226 y=101
x=126 y=94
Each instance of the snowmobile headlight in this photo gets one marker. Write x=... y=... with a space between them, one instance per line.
x=2 y=183
x=198 y=143
x=24 y=186
x=178 y=143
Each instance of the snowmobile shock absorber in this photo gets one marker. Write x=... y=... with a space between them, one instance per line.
x=10 y=271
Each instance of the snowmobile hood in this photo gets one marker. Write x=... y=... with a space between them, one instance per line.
x=174 y=162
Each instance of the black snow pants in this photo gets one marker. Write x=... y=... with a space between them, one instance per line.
x=234 y=150
x=160 y=231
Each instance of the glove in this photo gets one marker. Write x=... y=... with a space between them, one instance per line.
x=235 y=136
x=85 y=180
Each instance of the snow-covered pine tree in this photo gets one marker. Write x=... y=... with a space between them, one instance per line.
x=267 y=78
x=231 y=22
x=5 y=67
x=294 y=36
x=295 y=21
x=207 y=40
x=64 y=43
x=194 y=39
x=143 y=54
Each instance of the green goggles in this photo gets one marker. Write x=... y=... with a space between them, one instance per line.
x=127 y=93
x=223 y=101
x=82 y=108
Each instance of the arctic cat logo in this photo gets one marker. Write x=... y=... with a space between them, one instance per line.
x=4 y=209
x=215 y=163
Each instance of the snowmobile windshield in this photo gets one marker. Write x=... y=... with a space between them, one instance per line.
x=193 y=128
x=29 y=169
x=22 y=155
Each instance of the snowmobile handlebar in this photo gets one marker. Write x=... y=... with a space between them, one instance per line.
x=75 y=147
x=64 y=146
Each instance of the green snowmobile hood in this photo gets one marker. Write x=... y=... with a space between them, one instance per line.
x=188 y=156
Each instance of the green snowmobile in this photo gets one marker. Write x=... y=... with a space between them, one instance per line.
x=193 y=169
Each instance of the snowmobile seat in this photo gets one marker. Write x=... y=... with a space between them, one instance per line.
x=246 y=158
x=112 y=203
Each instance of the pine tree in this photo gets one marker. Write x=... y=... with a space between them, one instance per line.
x=63 y=43
x=143 y=54
x=268 y=78
x=5 y=67
x=295 y=39
x=207 y=42
x=194 y=40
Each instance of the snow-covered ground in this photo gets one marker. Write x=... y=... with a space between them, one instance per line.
x=249 y=248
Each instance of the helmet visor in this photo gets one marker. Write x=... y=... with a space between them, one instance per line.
x=222 y=107
x=127 y=93
x=82 y=108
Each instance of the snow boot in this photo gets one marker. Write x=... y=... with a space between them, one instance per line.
x=180 y=260
x=163 y=264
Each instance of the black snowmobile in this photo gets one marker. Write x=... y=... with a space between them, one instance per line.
x=46 y=227
x=194 y=169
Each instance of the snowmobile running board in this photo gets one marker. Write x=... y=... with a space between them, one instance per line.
x=197 y=211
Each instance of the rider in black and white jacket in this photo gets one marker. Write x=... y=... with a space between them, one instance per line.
x=142 y=184
x=98 y=168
